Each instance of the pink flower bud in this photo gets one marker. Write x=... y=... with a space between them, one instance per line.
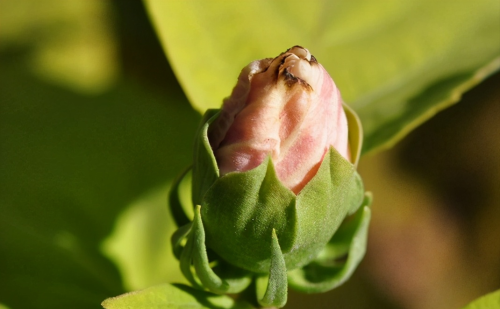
x=287 y=107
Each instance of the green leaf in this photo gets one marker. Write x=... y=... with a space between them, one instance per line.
x=488 y=301
x=70 y=164
x=139 y=243
x=396 y=64
x=175 y=296
x=420 y=107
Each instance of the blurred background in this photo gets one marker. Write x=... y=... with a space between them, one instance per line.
x=94 y=126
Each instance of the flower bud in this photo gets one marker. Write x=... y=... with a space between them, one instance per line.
x=287 y=108
x=274 y=176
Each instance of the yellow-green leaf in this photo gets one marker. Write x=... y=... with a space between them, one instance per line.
x=488 y=301
x=396 y=62
x=175 y=296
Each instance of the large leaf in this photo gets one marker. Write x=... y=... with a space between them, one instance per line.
x=174 y=296
x=396 y=62
x=69 y=165
x=488 y=301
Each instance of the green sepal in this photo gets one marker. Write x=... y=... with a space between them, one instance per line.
x=175 y=204
x=240 y=211
x=355 y=133
x=275 y=284
x=250 y=204
x=355 y=194
x=186 y=261
x=205 y=169
x=208 y=278
x=338 y=247
x=178 y=237
x=328 y=271
x=321 y=206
